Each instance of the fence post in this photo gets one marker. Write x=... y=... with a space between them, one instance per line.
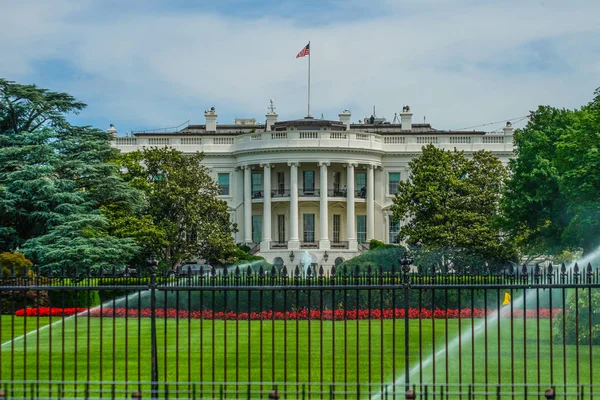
x=405 y=263
x=154 y=350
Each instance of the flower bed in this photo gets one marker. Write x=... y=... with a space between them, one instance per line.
x=336 y=315
x=49 y=312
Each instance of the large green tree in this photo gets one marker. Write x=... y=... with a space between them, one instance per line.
x=449 y=206
x=54 y=180
x=552 y=202
x=187 y=218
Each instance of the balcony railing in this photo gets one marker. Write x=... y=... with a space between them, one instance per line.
x=358 y=194
x=309 y=245
x=279 y=245
x=342 y=244
x=280 y=193
x=308 y=192
x=336 y=193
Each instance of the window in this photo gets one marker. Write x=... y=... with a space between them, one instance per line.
x=309 y=228
x=361 y=228
x=224 y=184
x=256 y=228
x=336 y=228
x=361 y=182
x=281 y=183
x=256 y=185
x=337 y=177
x=309 y=180
x=393 y=180
x=394 y=230
x=281 y=228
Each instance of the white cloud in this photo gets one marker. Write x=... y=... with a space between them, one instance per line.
x=458 y=63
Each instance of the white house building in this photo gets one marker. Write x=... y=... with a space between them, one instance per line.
x=312 y=184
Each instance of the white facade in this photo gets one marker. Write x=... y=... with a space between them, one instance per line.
x=331 y=183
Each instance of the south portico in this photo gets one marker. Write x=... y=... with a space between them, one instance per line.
x=298 y=196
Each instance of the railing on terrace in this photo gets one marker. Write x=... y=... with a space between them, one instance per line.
x=280 y=193
x=309 y=192
x=340 y=244
x=246 y=141
x=336 y=192
x=302 y=333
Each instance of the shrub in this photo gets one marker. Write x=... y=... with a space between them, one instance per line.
x=245 y=248
x=74 y=298
x=14 y=262
x=15 y=299
x=582 y=313
x=374 y=243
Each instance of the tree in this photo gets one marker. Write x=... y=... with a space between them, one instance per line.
x=552 y=201
x=450 y=204
x=187 y=217
x=27 y=108
x=54 y=180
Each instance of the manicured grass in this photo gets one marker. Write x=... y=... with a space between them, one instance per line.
x=288 y=351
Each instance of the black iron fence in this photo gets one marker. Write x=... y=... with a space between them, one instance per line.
x=382 y=333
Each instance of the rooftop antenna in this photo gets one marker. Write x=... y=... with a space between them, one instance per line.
x=374 y=114
x=271 y=107
x=322 y=117
x=396 y=119
x=424 y=120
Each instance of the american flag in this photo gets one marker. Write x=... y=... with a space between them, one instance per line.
x=304 y=52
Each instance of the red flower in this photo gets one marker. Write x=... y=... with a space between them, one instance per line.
x=303 y=314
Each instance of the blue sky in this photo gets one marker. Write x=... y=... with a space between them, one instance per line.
x=152 y=64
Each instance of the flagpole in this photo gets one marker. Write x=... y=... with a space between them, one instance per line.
x=309 y=51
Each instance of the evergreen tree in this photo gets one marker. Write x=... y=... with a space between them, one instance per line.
x=54 y=180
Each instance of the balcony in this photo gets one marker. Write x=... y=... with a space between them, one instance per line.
x=279 y=245
x=309 y=245
x=257 y=194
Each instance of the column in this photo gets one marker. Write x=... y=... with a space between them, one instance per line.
x=247 y=204
x=370 y=202
x=386 y=230
x=294 y=241
x=350 y=217
x=266 y=230
x=324 y=242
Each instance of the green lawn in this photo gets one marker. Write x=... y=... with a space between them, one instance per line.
x=278 y=351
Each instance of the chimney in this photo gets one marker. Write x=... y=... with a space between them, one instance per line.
x=112 y=131
x=406 y=118
x=211 y=120
x=345 y=118
x=508 y=129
